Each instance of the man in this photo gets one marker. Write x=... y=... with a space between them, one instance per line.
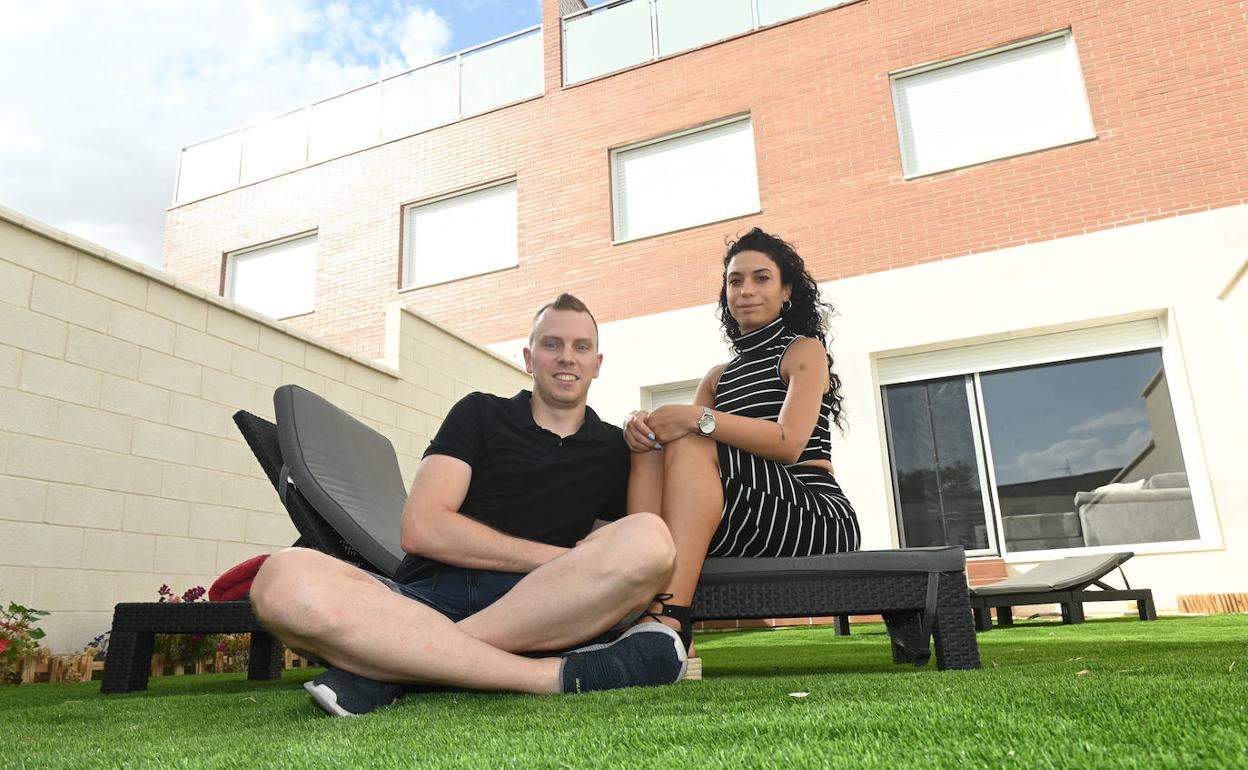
x=502 y=559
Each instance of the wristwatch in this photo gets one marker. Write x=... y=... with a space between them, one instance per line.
x=706 y=423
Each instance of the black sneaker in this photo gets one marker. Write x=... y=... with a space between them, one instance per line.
x=646 y=655
x=343 y=694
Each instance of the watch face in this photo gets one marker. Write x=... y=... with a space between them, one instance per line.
x=706 y=423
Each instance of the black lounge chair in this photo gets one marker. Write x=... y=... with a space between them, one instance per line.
x=340 y=482
x=1067 y=582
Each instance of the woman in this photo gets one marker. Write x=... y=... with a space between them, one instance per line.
x=747 y=470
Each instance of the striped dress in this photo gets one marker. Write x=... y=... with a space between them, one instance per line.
x=770 y=508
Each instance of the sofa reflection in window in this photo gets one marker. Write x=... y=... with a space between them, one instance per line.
x=1149 y=500
x=1153 y=510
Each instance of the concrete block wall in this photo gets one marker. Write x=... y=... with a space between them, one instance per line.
x=120 y=466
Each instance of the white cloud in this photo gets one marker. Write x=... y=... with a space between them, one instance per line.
x=1124 y=451
x=107 y=93
x=424 y=37
x=1053 y=461
x=1079 y=455
x=1132 y=415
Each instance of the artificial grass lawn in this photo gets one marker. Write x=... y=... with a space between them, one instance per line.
x=1109 y=693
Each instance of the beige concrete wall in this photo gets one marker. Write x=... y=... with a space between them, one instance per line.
x=120 y=466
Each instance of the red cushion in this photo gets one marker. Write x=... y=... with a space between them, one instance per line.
x=236 y=582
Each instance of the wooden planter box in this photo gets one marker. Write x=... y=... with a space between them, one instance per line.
x=84 y=667
x=60 y=668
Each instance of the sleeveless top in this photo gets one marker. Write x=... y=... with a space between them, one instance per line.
x=751 y=386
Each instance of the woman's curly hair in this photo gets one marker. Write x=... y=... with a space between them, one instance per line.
x=807 y=314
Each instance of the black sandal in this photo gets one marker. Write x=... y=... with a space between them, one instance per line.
x=679 y=612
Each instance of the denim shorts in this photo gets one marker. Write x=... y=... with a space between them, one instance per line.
x=456 y=592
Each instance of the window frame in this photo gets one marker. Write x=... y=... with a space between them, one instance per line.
x=932 y=366
x=228 y=274
x=649 y=392
x=987 y=488
x=406 y=246
x=615 y=152
x=918 y=69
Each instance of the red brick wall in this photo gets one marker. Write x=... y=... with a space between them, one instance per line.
x=1166 y=83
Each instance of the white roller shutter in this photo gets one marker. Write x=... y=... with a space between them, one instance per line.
x=277 y=280
x=464 y=235
x=689 y=179
x=1028 y=351
x=991 y=105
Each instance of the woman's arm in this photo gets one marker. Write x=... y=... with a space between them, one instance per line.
x=640 y=436
x=804 y=366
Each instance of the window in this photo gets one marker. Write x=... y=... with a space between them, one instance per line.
x=693 y=178
x=1058 y=454
x=661 y=395
x=455 y=237
x=278 y=280
x=995 y=104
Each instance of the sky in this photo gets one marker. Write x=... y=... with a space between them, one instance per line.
x=97 y=97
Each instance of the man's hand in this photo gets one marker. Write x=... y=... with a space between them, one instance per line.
x=432 y=525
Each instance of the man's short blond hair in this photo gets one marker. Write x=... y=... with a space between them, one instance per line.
x=564 y=301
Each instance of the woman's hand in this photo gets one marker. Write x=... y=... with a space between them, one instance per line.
x=674 y=421
x=638 y=434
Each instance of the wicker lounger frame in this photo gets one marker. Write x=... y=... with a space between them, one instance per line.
x=902 y=598
x=1070 y=593
x=136 y=624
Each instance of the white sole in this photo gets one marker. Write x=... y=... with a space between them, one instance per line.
x=646 y=628
x=659 y=628
x=327 y=700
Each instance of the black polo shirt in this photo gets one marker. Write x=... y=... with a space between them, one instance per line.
x=526 y=481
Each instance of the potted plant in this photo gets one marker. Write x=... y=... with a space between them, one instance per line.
x=184 y=650
x=19 y=642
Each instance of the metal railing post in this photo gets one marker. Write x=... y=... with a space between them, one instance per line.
x=459 y=86
x=242 y=137
x=381 y=92
x=654 y=30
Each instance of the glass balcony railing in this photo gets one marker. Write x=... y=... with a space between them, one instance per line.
x=620 y=34
x=467 y=83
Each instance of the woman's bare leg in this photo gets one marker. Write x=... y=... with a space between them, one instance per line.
x=693 y=499
x=645 y=483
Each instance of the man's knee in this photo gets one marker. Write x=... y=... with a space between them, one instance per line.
x=286 y=590
x=643 y=548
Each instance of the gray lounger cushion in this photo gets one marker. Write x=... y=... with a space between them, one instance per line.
x=1057 y=575
x=346 y=470
x=858 y=563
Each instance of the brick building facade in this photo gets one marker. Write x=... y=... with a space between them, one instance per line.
x=1165 y=85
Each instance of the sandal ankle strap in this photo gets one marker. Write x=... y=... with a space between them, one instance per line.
x=680 y=612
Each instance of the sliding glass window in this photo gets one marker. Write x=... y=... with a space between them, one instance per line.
x=1058 y=455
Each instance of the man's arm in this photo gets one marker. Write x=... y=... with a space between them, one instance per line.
x=433 y=527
